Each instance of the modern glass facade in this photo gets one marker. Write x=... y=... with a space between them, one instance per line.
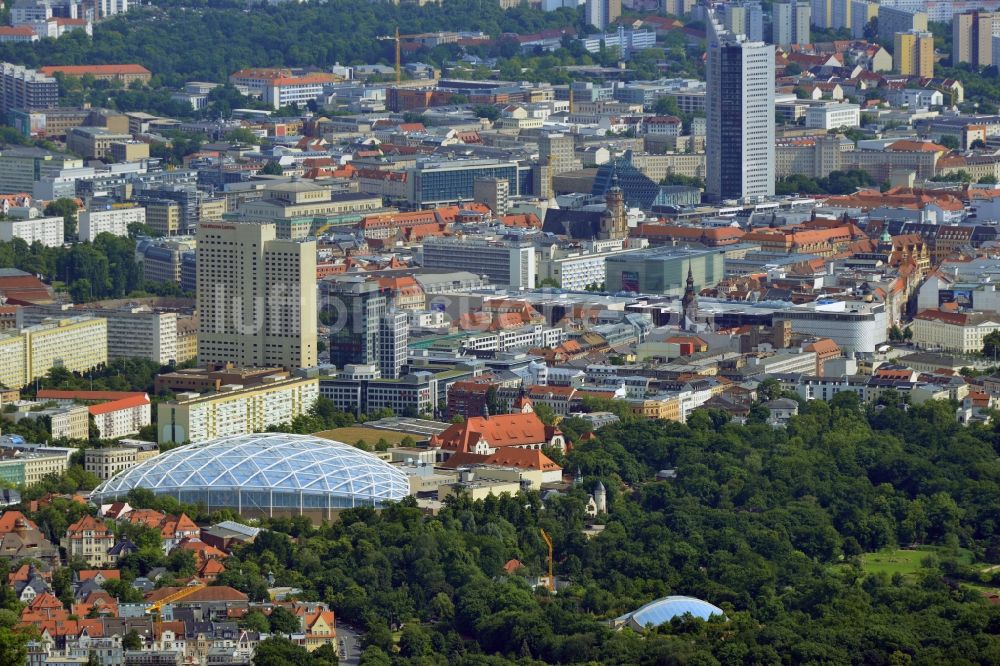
x=454 y=181
x=12 y=472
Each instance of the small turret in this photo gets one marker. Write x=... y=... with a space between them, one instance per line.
x=601 y=498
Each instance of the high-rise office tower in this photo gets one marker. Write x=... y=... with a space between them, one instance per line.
x=256 y=297
x=790 y=23
x=914 y=53
x=739 y=106
x=602 y=13
x=394 y=336
x=972 y=37
x=356 y=306
x=364 y=330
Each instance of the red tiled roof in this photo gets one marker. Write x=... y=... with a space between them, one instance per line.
x=56 y=394
x=917 y=146
x=116 y=405
x=96 y=70
x=8 y=520
x=218 y=593
x=108 y=574
x=498 y=431
x=523 y=459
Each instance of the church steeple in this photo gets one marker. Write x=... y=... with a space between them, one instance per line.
x=614 y=224
x=689 y=302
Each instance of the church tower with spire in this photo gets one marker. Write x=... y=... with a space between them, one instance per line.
x=689 y=303
x=614 y=224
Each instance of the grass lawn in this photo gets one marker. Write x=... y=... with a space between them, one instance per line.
x=904 y=561
x=368 y=435
x=889 y=562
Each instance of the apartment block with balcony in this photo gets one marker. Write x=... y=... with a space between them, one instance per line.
x=234 y=409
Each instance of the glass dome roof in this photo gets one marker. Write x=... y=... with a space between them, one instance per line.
x=275 y=463
x=663 y=610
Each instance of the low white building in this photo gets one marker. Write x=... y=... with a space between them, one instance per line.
x=833 y=116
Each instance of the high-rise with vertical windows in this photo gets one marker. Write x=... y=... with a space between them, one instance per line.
x=256 y=297
x=746 y=18
x=394 y=336
x=602 y=13
x=739 y=116
x=913 y=54
x=355 y=307
x=791 y=23
x=23 y=88
x=972 y=37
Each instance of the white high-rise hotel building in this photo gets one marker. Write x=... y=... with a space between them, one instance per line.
x=739 y=106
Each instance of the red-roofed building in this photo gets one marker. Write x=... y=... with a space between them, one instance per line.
x=202 y=551
x=825 y=349
x=318 y=625
x=116 y=414
x=97 y=575
x=175 y=529
x=214 y=595
x=211 y=570
x=486 y=435
x=89 y=539
x=20 y=288
x=17 y=34
x=97 y=603
x=126 y=74
x=527 y=459
x=469 y=397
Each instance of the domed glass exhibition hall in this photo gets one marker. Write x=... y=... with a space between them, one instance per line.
x=265 y=474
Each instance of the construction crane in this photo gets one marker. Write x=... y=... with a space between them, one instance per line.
x=155 y=608
x=396 y=37
x=548 y=542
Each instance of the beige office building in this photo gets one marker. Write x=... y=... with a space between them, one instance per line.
x=163 y=217
x=256 y=297
x=105 y=463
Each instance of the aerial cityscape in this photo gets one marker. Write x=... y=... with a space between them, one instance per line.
x=510 y=332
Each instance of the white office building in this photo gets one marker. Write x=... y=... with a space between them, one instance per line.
x=833 y=116
x=113 y=221
x=576 y=266
x=506 y=262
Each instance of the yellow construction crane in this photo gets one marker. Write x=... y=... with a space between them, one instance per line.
x=155 y=608
x=396 y=37
x=548 y=542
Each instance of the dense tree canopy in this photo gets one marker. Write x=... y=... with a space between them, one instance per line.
x=183 y=43
x=772 y=525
